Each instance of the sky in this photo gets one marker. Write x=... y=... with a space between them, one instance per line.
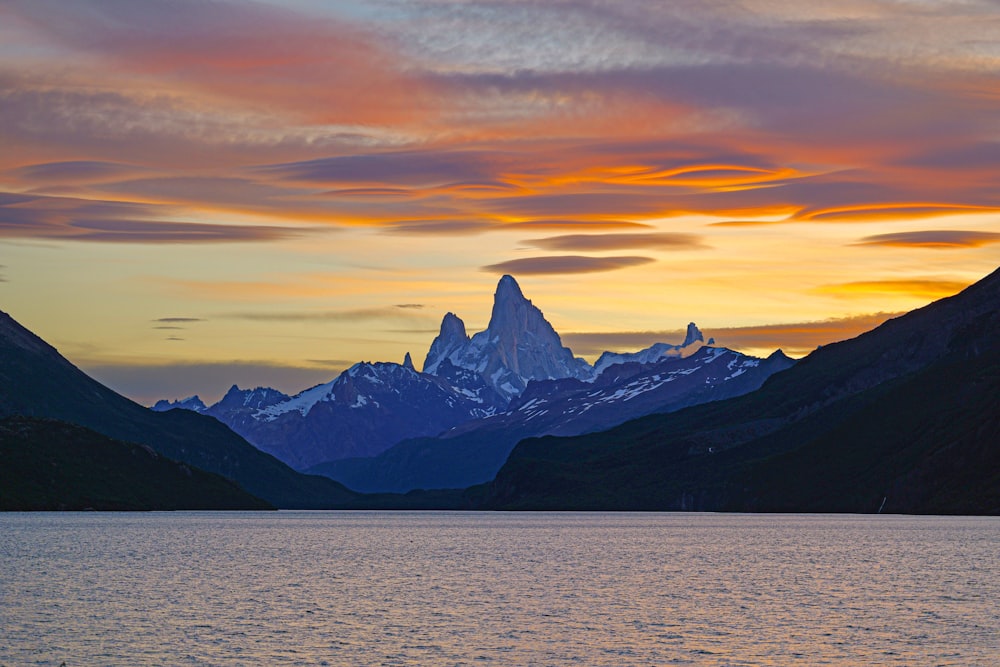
x=198 y=193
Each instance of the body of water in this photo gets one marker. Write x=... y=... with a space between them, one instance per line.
x=440 y=588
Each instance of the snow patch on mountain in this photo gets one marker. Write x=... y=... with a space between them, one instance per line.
x=302 y=402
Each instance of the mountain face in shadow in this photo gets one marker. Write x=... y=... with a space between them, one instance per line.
x=52 y=465
x=36 y=381
x=473 y=452
x=904 y=418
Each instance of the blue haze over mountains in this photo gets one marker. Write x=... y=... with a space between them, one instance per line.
x=386 y=427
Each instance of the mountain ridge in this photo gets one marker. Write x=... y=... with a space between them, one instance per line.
x=464 y=379
x=707 y=457
x=36 y=381
x=474 y=451
x=53 y=465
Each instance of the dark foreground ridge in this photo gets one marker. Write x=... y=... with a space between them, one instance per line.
x=52 y=465
x=36 y=381
x=902 y=419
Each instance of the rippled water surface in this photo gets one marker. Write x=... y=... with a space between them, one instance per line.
x=397 y=588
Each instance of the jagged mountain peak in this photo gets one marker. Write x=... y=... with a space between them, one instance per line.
x=512 y=312
x=518 y=345
x=452 y=326
x=508 y=289
x=451 y=337
x=779 y=354
x=693 y=334
x=255 y=398
x=408 y=362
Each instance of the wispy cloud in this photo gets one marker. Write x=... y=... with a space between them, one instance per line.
x=947 y=239
x=890 y=211
x=438 y=227
x=350 y=315
x=598 y=242
x=173 y=324
x=409 y=168
x=78 y=219
x=574 y=225
x=332 y=363
x=73 y=171
x=142 y=231
x=930 y=288
x=560 y=264
x=974 y=156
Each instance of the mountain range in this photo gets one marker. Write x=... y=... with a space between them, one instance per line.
x=385 y=427
x=903 y=419
x=473 y=452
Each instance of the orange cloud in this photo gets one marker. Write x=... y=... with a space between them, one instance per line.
x=945 y=239
x=354 y=315
x=108 y=221
x=563 y=264
x=598 y=242
x=923 y=289
x=890 y=211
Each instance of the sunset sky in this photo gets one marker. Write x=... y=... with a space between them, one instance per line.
x=198 y=193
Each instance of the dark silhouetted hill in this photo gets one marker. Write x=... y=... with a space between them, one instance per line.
x=52 y=465
x=903 y=418
x=36 y=381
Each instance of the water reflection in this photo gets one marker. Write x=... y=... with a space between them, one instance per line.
x=313 y=588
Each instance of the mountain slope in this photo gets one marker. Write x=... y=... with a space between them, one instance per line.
x=367 y=409
x=52 y=465
x=35 y=380
x=734 y=454
x=929 y=444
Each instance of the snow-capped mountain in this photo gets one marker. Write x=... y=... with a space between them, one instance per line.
x=516 y=371
x=366 y=409
x=518 y=346
x=471 y=453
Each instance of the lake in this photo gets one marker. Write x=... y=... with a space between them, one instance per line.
x=453 y=588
